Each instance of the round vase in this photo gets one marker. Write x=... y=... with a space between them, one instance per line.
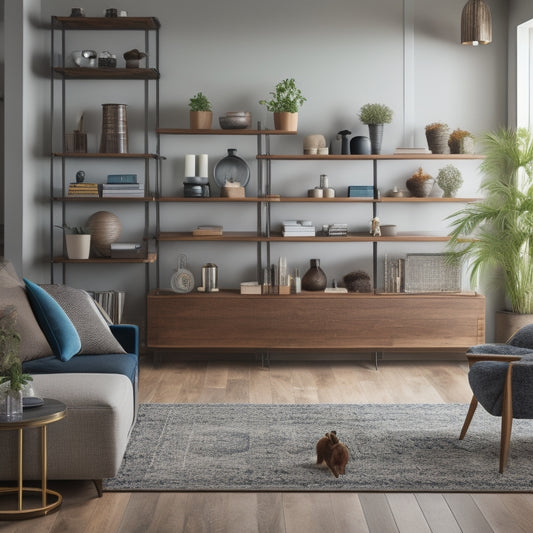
x=105 y=228
x=375 y=132
x=314 y=279
x=360 y=145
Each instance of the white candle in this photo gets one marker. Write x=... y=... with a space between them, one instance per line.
x=202 y=165
x=190 y=165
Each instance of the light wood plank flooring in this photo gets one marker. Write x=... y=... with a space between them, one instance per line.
x=242 y=380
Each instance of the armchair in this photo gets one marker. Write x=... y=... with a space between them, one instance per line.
x=501 y=379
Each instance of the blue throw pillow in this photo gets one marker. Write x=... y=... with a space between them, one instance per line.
x=56 y=325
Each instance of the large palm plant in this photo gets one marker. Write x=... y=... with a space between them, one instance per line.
x=501 y=224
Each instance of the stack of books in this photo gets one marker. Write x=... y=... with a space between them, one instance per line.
x=337 y=230
x=298 y=228
x=122 y=186
x=360 y=191
x=83 y=189
x=131 y=250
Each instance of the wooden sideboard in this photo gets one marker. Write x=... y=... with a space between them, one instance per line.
x=313 y=321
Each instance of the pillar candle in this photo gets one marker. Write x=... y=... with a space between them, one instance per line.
x=202 y=165
x=190 y=165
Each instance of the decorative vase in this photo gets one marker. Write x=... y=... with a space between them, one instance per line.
x=376 y=135
x=420 y=188
x=13 y=404
x=114 y=129
x=314 y=279
x=437 y=139
x=78 y=246
x=201 y=120
x=105 y=228
x=360 y=145
x=286 y=121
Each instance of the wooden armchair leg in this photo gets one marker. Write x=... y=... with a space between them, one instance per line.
x=98 y=485
x=468 y=419
x=507 y=419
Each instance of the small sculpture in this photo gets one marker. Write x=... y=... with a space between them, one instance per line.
x=80 y=176
x=333 y=452
x=345 y=149
x=375 y=229
x=133 y=57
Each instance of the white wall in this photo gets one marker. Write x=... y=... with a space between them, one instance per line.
x=343 y=54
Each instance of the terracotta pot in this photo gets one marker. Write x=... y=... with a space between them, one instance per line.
x=508 y=323
x=201 y=120
x=286 y=121
x=78 y=246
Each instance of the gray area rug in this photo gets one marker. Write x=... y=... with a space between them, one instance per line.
x=230 y=447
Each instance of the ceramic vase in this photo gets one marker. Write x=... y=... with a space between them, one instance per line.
x=314 y=279
x=286 y=121
x=360 y=145
x=78 y=246
x=200 y=120
x=375 y=132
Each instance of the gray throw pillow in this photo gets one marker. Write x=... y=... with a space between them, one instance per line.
x=95 y=335
x=33 y=343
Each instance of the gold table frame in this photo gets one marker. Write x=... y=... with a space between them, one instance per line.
x=51 y=411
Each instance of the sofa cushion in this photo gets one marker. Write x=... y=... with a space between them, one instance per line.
x=119 y=363
x=33 y=343
x=54 y=322
x=95 y=335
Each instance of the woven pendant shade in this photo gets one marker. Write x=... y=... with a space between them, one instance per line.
x=476 y=23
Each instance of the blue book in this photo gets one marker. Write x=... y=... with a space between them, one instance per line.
x=122 y=178
x=361 y=191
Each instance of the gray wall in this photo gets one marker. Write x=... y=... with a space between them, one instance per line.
x=342 y=53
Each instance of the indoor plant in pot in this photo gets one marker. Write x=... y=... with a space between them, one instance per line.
x=375 y=116
x=461 y=142
x=200 y=114
x=12 y=379
x=496 y=233
x=285 y=102
x=437 y=135
x=449 y=179
x=77 y=242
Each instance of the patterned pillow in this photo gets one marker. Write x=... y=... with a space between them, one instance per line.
x=33 y=343
x=95 y=335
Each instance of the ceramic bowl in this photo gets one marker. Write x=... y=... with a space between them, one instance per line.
x=235 y=122
x=388 y=230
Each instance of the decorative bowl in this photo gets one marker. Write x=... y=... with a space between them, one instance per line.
x=235 y=122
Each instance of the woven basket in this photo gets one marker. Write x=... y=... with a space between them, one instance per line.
x=438 y=140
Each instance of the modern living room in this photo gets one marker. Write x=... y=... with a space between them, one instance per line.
x=316 y=357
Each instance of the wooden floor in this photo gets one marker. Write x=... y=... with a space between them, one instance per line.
x=244 y=381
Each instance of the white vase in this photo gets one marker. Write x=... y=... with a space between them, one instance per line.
x=78 y=246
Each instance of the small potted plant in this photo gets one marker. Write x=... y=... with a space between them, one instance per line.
x=285 y=102
x=77 y=241
x=461 y=142
x=375 y=116
x=420 y=184
x=437 y=134
x=200 y=114
x=12 y=379
x=449 y=179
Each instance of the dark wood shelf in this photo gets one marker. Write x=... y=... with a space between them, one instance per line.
x=211 y=199
x=101 y=155
x=369 y=157
x=150 y=258
x=109 y=73
x=234 y=236
x=105 y=23
x=141 y=199
x=188 y=131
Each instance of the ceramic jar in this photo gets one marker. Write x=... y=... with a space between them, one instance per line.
x=314 y=279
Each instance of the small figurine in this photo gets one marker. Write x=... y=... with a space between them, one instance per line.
x=375 y=229
x=80 y=176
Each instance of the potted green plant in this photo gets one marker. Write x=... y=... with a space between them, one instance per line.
x=11 y=375
x=200 y=113
x=449 y=179
x=375 y=116
x=77 y=241
x=285 y=102
x=495 y=234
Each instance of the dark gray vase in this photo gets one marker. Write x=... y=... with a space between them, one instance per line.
x=360 y=145
x=314 y=279
x=376 y=135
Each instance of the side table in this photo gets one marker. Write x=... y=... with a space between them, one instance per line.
x=50 y=411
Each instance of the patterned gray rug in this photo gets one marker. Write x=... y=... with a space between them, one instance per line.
x=230 y=447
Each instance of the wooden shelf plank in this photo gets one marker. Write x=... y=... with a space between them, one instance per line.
x=106 y=23
x=359 y=237
x=215 y=199
x=100 y=199
x=150 y=258
x=369 y=157
x=412 y=199
x=82 y=73
x=189 y=131
x=235 y=236
x=102 y=155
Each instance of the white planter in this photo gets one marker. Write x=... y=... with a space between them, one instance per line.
x=78 y=246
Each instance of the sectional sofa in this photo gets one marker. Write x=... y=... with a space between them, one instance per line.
x=76 y=357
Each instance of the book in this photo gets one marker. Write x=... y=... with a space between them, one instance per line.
x=122 y=178
x=208 y=230
x=83 y=189
x=360 y=191
x=125 y=245
x=250 y=287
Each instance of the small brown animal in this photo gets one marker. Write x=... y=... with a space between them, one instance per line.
x=332 y=451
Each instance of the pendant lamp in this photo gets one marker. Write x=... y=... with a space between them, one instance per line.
x=476 y=23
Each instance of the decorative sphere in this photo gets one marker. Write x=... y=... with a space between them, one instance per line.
x=105 y=228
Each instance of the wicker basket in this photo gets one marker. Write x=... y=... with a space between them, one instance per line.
x=431 y=273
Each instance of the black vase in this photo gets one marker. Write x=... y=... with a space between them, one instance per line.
x=314 y=279
x=360 y=145
x=376 y=135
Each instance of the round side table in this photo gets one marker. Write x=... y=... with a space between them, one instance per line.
x=50 y=411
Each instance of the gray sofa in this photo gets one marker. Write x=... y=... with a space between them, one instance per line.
x=95 y=376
